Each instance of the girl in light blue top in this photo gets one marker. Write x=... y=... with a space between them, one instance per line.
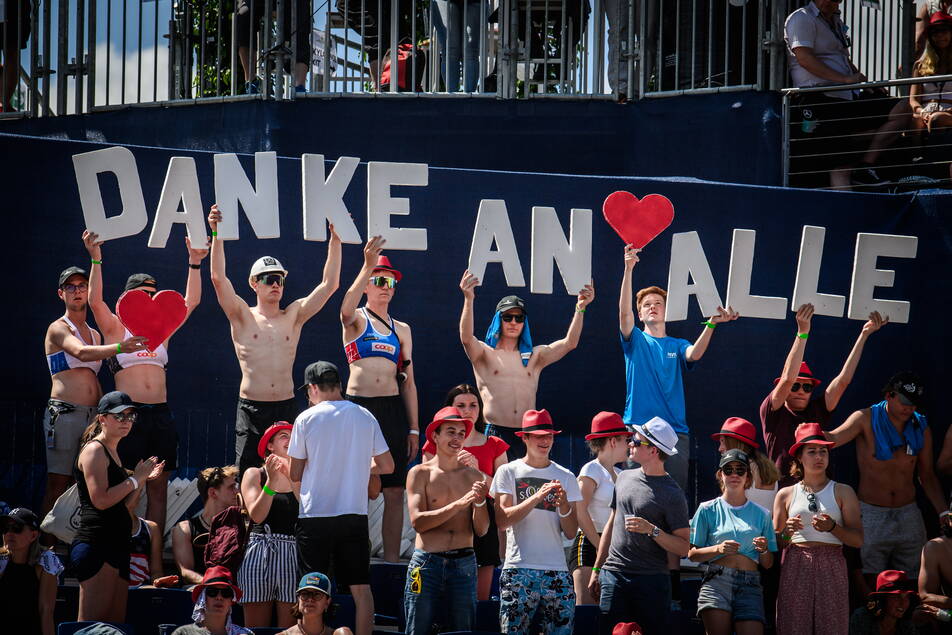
x=734 y=535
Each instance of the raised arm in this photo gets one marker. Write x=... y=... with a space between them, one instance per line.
x=255 y=500
x=228 y=300
x=626 y=314
x=110 y=325
x=696 y=350
x=838 y=386
x=849 y=429
x=193 y=285
x=472 y=346
x=408 y=390
x=927 y=475
x=315 y=301
x=348 y=307
x=791 y=367
x=558 y=349
x=61 y=337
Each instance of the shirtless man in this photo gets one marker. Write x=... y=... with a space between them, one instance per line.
x=935 y=576
x=893 y=443
x=266 y=338
x=74 y=354
x=506 y=365
x=141 y=374
x=379 y=351
x=218 y=489
x=447 y=503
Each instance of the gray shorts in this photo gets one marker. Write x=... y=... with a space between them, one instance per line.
x=63 y=425
x=892 y=538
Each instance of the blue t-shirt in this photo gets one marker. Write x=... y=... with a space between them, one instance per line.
x=715 y=521
x=653 y=368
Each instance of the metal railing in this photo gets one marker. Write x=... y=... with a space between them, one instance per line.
x=80 y=55
x=874 y=142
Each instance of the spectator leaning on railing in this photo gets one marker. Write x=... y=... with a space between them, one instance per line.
x=818 y=55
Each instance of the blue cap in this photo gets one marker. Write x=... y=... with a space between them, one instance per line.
x=316 y=582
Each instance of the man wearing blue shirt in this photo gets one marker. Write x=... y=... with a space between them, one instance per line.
x=655 y=362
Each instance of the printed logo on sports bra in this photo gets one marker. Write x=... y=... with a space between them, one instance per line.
x=369 y=338
x=146 y=354
x=383 y=347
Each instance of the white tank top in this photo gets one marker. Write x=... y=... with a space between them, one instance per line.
x=61 y=360
x=158 y=357
x=826 y=504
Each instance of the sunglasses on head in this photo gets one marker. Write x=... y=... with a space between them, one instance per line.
x=270 y=279
x=383 y=282
x=805 y=386
x=122 y=417
x=214 y=592
x=74 y=288
x=519 y=318
x=740 y=470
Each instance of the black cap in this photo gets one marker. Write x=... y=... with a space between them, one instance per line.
x=70 y=272
x=113 y=402
x=137 y=280
x=510 y=302
x=20 y=515
x=732 y=456
x=908 y=385
x=320 y=373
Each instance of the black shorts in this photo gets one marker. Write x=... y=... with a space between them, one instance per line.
x=254 y=417
x=391 y=414
x=487 y=547
x=153 y=434
x=583 y=552
x=337 y=546
x=248 y=9
x=16 y=28
x=86 y=559
x=508 y=435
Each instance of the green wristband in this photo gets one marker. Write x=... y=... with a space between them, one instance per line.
x=95 y=262
x=709 y=324
x=267 y=490
x=118 y=347
x=596 y=569
x=214 y=234
x=803 y=336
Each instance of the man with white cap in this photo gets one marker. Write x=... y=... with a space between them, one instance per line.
x=266 y=338
x=630 y=577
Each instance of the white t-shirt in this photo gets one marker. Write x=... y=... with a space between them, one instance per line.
x=535 y=542
x=600 y=507
x=337 y=439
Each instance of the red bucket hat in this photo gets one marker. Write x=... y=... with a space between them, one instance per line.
x=892 y=582
x=809 y=433
x=383 y=264
x=627 y=628
x=805 y=373
x=537 y=422
x=277 y=427
x=449 y=413
x=740 y=429
x=216 y=576
x=607 y=424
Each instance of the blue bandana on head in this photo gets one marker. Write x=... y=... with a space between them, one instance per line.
x=525 y=339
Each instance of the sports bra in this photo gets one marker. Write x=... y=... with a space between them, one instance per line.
x=826 y=504
x=158 y=357
x=61 y=360
x=373 y=343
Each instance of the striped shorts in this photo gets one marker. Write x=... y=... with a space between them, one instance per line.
x=269 y=571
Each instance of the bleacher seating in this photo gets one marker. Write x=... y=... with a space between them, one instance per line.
x=388 y=581
x=68 y=628
x=487 y=615
x=149 y=607
x=345 y=612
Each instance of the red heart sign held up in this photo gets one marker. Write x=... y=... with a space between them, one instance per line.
x=637 y=222
x=153 y=317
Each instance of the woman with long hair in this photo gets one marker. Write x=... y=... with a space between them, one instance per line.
x=888 y=609
x=28 y=575
x=739 y=434
x=269 y=568
x=814 y=518
x=101 y=548
x=931 y=102
x=485 y=453
x=313 y=608
x=735 y=536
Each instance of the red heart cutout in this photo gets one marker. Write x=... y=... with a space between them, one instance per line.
x=154 y=317
x=637 y=222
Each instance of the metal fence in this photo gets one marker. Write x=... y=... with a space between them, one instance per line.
x=873 y=141
x=78 y=55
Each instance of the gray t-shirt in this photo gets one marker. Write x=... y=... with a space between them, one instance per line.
x=657 y=499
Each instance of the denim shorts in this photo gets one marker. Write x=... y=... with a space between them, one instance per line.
x=732 y=590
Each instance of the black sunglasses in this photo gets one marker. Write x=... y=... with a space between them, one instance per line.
x=214 y=592
x=270 y=279
x=519 y=318
x=805 y=386
x=811 y=499
x=739 y=471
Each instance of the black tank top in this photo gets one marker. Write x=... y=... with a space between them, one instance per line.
x=197 y=527
x=283 y=515
x=111 y=526
x=20 y=588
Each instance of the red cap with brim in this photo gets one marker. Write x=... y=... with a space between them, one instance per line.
x=269 y=433
x=383 y=264
x=537 y=422
x=809 y=433
x=740 y=429
x=216 y=576
x=444 y=415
